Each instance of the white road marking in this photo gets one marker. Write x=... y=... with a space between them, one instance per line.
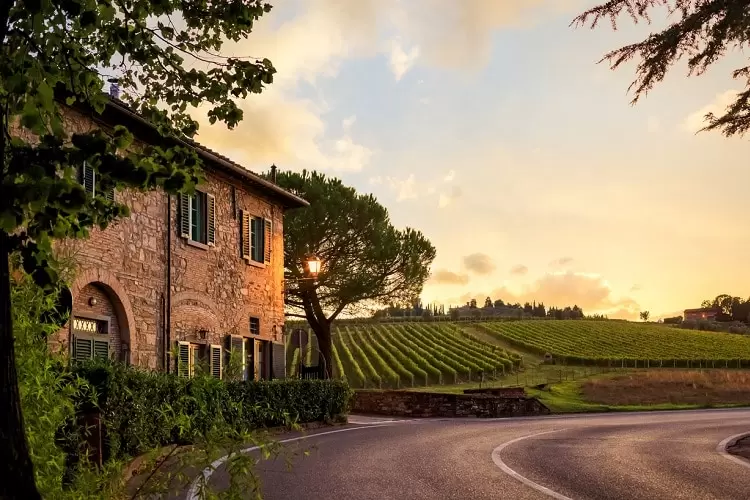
x=193 y=492
x=373 y=420
x=528 y=482
x=721 y=449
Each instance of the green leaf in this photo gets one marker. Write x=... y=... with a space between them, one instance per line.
x=44 y=92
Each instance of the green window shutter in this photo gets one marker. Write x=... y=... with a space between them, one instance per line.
x=215 y=361
x=211 y=219
x=87 y=179
x=245 y=235
x=267 y=241
x=83 y=348
x=109 y=194
x=184 y=215
x=101 y=349
x=183 y=359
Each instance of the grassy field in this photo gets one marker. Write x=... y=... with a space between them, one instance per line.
x=411 y=355
x=609 y=343
x=648 y=390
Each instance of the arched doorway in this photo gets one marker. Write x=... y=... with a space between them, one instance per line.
x=98 y=327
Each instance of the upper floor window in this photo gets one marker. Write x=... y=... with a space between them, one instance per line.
x=87 y=176
x=257 y=234
x=198 y=217
x=254 y=326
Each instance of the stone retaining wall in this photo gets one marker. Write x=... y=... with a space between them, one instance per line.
x=505 y=392
x=431 y=404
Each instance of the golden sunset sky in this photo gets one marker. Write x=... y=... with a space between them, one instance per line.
x=488 y=125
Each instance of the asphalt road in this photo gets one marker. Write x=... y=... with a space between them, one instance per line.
x=669 y=455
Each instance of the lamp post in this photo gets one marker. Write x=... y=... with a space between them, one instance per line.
x=310 y=268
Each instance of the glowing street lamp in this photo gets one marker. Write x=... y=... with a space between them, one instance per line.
x=312 y=263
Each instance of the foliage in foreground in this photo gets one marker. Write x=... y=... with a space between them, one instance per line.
x=50 y=394
x=700 y=31
x=58 y=53
x=143 y=410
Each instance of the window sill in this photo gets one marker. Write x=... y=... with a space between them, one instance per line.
x=259 y=265
x=197 y=244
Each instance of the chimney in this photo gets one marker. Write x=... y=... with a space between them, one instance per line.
x=273 y=173
x=114 y=88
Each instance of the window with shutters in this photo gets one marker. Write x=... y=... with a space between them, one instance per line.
x=87 y=176
x=262 y=359
x=256 y=238
x=188 y=357
x=90 y=339
x=198 y=217
x=236 y=353
x=215 y=361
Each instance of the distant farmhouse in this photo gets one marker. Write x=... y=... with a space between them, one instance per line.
x=702 y=313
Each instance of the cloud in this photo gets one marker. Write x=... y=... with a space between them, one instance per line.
x=458 y=34
x=405 y=189
x=347 y=123
x=561 y=262
x=443 y=277
x=402 y=61
x=519 y=270
x=636 y=288
x=309 y=41
x=696 y=121
x=449 y=198
x=287 y=132
x=479 y=263
x=591 y=292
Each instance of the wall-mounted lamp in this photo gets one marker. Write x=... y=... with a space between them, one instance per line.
x=93 y=301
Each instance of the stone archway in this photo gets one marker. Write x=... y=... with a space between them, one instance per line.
x=97 y=292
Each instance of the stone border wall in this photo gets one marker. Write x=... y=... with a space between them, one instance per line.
x=505 y=392
x=432 y=404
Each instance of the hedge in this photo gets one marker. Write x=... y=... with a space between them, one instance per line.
x=143 y=410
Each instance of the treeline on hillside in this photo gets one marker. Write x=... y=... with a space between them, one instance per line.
x=491 y=308
x=730 y=308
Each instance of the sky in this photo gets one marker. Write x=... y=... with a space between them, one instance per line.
x=489 y=126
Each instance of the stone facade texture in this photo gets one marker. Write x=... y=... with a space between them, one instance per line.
x=214 y=291
x=426 y=405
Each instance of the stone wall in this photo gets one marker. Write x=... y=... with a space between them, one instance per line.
x=508 y=392
x=432 y=404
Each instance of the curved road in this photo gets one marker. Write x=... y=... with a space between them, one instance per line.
x=669 y=455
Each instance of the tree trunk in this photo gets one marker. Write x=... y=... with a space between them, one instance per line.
x=325 y=347
x=16 y=471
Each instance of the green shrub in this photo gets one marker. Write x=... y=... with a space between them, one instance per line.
x=143 y=410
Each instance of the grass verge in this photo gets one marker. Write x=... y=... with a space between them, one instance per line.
x=648 y=390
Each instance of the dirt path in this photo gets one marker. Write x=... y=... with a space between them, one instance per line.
x=528 y=358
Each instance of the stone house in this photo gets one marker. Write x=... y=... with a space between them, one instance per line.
x=196 y=275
